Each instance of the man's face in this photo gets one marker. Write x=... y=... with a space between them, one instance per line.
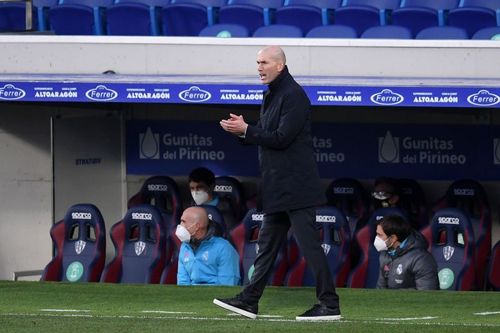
x=198 y=186
x=380 y=233
x=188 y=221
x=268 y=66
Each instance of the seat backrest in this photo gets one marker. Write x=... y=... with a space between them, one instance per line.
x=140 y=247
x=365 y=273
x=278 y=30
x=442 y=33
x=206 y=3
x=89 y=3
x=79 y=240
x=452 y=246
x=185 y=19
x=472 y=19
x=303 y=17
x=245 y=237
x=487 y=33
x=350 y=197
x=491 y=4
x=331 y=4
x=232 y=200
x=441 y=4
x=387 y=32
x=258 y=3
x=225 y=31
x=215 y=215
x=163 y=193
x=469 y=196
x=493 y=277
x=332 y=31
x=335 y=239
x=380 y=4
x=412 y=200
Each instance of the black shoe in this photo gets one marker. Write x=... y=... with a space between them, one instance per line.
x=238 y=306
x=320 y=312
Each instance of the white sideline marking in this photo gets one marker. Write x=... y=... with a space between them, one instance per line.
x=167 y=312
x=487 y=313
x=415 y=318
x=389 y=322
x=63 y=310
x=258 y=316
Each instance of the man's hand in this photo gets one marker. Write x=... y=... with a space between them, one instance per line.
x=235 y=125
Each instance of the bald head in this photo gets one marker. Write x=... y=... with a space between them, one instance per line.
x=275 y=52
x=195 y=220
x=271 y=61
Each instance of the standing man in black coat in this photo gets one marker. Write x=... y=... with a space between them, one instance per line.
x=290 y=187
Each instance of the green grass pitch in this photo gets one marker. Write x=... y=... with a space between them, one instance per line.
x=94 y=307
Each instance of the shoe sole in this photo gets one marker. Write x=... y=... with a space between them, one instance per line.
x=235 y=309
x=319 y=318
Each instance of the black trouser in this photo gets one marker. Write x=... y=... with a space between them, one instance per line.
x=272 y=234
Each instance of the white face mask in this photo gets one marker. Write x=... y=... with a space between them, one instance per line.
x=182 y=233
x=380 y=244
x=199 y=197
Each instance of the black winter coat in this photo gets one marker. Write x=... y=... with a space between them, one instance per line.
x=290 y=178
x=410 y=268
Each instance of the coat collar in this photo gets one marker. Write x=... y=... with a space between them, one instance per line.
x=279 y=80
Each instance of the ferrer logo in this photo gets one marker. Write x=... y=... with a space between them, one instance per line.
x=483 y=98
x=387 y=97
x=325 y=219
x=223 y=188
x=101 y=93
x=10 y=92
x=158 y=187
x=81 y=216
x=142 y=216
x=195 y=95
x=448 y=220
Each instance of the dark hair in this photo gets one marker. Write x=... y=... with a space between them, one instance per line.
x=390 y=183
x=202 y=175
x=396 y=225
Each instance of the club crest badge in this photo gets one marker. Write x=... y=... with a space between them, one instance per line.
x=139 y=247
x=399 y=269
x=448 y=252
x=80 y=246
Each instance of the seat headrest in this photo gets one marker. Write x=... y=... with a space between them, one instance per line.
x=451 y=218
x=345 y=189
x=467 y=189
x=87 y=213
x=217 y=218
x=381 y=212
x=330 y=215
x=144 y=214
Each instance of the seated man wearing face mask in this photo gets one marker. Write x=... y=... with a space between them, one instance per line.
x=404 y=260
x=385 y=193
x=204 y=258
x=202 y=184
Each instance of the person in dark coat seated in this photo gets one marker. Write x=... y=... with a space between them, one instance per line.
x=405 y=262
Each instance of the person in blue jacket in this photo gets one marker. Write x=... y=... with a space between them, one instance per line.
x=203 y=257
